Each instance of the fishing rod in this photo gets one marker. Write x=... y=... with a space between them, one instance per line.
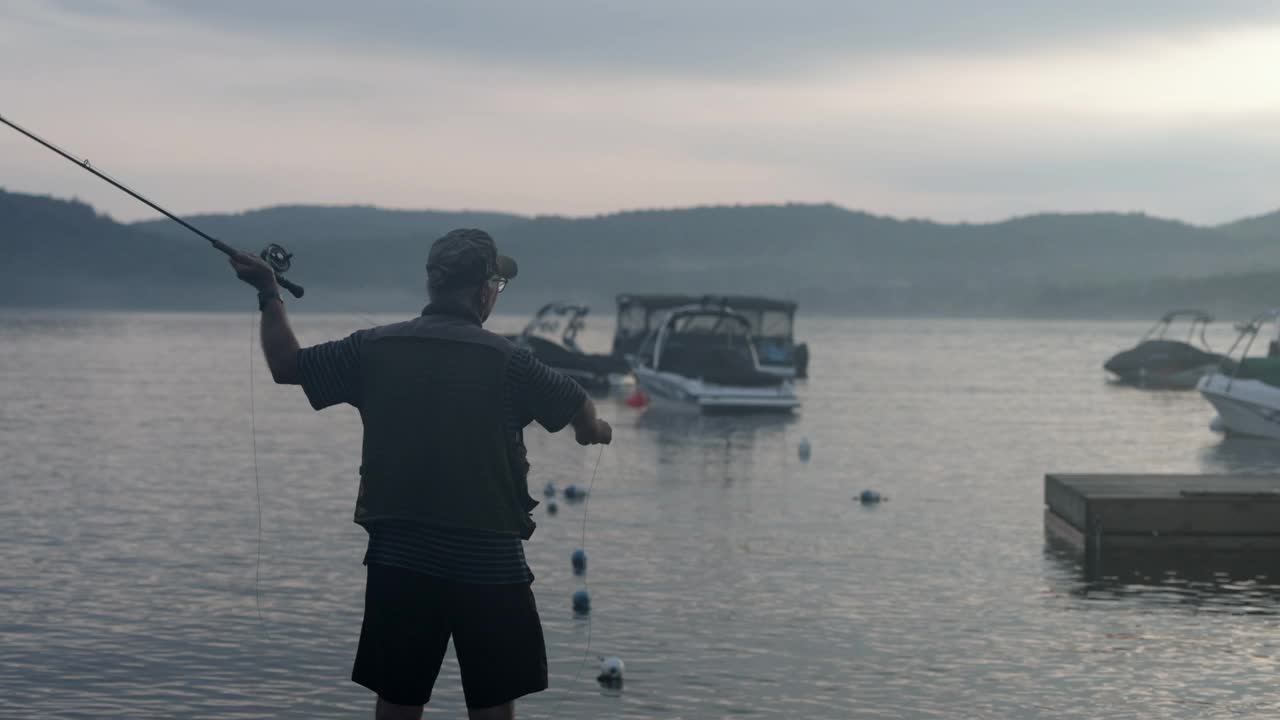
x=275 y=255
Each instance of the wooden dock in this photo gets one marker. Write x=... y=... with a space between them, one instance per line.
x=1099 y=515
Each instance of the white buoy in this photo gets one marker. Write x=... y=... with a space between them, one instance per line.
x=805 y=450
x=611 y=669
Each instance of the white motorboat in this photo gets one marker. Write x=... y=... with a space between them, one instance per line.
x=1246 y=393
x=704 y=357
x=772 y=327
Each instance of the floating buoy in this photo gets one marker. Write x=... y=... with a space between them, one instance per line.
x=573 y=492
x=579 y=560
x=552 y=507
x=582 y=602
x=805 y=450
x=611 y=669
x=637 y=399
x=549 y=489
x=869 y=497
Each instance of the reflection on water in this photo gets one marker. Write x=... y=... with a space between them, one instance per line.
x=1211 y=581
x=1234 y=454
x=724 y=447
x=732 y=578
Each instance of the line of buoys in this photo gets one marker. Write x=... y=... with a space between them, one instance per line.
x=611 y=669
x=866 y=497
x=582 y=602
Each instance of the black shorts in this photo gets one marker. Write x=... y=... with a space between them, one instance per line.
x=408 y=618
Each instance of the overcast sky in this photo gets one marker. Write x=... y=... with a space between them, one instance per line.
x=975 y=110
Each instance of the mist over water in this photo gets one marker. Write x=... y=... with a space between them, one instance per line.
x=733 y=579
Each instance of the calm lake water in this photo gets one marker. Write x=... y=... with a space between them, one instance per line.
x=733 y=579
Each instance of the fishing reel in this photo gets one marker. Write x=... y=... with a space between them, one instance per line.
x=280 y=261
x=277 y=257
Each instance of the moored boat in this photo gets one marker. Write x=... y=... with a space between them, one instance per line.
x=772 y=324
x=1158 y=361
x=1246 y=393
x=552 y=337
x=703 y=357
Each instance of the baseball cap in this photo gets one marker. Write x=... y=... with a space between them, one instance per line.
x=467 y=256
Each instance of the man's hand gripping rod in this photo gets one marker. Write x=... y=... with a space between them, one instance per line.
x=274 y=255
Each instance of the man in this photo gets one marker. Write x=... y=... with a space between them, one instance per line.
x=443 y=478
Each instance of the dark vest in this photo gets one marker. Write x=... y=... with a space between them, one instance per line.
x=436 y=445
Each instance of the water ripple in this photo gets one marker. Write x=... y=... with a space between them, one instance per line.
x=734 y=580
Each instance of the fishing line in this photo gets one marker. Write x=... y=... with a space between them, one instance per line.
x=279 y=261
x=257 y=482
x=586 y=505
x=274 y=255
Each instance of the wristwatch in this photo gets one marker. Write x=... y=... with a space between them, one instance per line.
x=266 y=296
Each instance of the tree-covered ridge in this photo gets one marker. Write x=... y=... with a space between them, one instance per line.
x=59 y=252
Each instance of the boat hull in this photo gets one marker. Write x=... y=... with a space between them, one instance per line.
x=694 y=394
x=1245 y=406
x=1167 y=364
x=595 y=373
x=783 y=371
x=1166 y=378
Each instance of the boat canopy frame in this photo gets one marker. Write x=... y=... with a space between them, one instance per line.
x=548 y=319
x=658 y=303
x=660 y=335
x=1249 y=329
x=771 y=322
x=1199 y=320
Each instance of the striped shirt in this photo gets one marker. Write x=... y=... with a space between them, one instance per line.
x=330 y=375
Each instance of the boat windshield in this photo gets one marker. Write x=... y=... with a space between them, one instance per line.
x=767 y=324
x=700 y=332
x=710 y=324
x=635 y=319
x=700 y=344
x=774 y=324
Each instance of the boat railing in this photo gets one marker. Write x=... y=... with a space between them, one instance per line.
x=1250 y=331
x=1199 y=319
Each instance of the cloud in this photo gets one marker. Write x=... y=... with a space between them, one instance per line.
x=949 y=110
x=714 y=37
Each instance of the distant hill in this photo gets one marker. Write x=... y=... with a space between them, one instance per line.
x=348 y=256
x=1262 y=227
x=826 y=257
x=1235 y=296
x=61 y=253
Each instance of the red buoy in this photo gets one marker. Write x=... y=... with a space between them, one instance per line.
x=637 y=399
